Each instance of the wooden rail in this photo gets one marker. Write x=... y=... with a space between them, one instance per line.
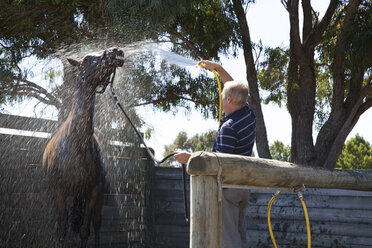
x=207 y=169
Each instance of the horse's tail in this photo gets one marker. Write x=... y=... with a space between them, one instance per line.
x=77 y=213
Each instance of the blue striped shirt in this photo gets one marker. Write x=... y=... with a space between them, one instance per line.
x=236 y=133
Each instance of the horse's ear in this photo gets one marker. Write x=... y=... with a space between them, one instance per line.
x=73 y=62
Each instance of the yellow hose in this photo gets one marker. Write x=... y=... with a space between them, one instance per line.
x=268 y=217
x=220 y=97
x=306 y=217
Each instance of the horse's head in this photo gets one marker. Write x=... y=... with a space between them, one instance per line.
x=95 y=70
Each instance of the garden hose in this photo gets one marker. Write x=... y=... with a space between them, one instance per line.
x=306 y=217
x=268 y=217
x=151 y=154
x=220 y=97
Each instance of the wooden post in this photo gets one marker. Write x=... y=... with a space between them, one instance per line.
x=205 y=223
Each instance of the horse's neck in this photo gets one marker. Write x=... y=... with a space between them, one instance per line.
x=81 y=115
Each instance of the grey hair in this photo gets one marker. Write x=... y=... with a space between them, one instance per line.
x=238 y=92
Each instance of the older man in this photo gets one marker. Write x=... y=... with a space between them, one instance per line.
x=235 y=135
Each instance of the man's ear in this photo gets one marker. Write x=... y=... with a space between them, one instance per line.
x=228 y=98
x=73 y=62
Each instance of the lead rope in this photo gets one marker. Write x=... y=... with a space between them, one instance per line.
x=148 y=150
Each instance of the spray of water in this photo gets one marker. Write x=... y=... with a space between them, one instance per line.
x=170 y=57
x=20 y=232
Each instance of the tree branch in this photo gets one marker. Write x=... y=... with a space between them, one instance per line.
x=25 y=87
x=348 y=125
x=367 y=90
x=316 y=34
x=294 y=30
x=339 y=57
x=308 y=19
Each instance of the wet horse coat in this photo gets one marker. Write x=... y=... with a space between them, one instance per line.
x=72 y=158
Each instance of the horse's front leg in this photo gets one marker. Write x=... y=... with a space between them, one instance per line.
x=94 y=198
x=59 y=202
x=97 y=217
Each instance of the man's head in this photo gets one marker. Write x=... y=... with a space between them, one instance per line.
x=234 y=96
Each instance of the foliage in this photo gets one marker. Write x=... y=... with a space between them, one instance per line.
x=280 y=152
x=37 y=29
x=357 y=154
x=272 y=76
x=200 y=29
x=198 y=142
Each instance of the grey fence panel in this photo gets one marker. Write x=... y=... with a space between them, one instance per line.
x=27 y=215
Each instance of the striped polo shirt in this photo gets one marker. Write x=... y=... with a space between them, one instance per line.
x=236 y=133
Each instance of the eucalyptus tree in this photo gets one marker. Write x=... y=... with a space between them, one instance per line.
x=332 y=89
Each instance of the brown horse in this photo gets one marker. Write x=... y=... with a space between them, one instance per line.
x=72 y=158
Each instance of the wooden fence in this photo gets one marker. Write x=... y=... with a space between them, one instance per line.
x=144 y=204
x=341 y=221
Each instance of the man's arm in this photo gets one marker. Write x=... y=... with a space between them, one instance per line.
x=210 y=65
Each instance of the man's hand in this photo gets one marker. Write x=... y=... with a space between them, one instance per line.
x=182 y=157
x=210 y=65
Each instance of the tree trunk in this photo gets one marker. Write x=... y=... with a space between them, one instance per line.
x=254 y=99
x=344 y=113
x=301 y=88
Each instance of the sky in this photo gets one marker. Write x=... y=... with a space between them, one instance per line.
x=269 y=22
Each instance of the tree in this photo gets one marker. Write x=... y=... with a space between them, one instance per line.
x=198 y=142
x=340 y=75
x=280 y=152
x=356 y=154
